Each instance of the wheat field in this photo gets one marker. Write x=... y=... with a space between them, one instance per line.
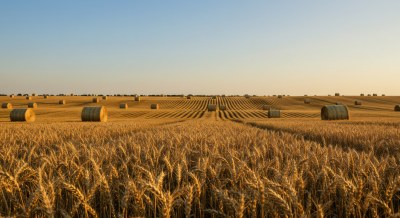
x=183 y=161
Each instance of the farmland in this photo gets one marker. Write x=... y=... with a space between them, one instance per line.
x=182 y=160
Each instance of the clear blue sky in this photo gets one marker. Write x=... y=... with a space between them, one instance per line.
x=208 y=46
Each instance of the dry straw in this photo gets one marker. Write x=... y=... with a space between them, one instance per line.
x=62 y=102
x=274 y=113
x=155 y=106
x=32 y=105
x=22 y=115
x=212 y=107
x=123 y=106
x=6 y=106
x=334 y=112
x=94 y=114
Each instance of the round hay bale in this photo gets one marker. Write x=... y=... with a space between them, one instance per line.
x=274 y=113
x=12 y=96
x=397 y=107
x=212 y=107
x=32 y=105
x=337 y=94
x=94 y=114
x=222 y=107
x=189 y=97
x=334 y=112
x=105 y=97
x=357 y=102
x=22 y=115
x=28 y=98
x=280 y=96
x=62 y=102
x=247 y=96
x=96 y=100
x=123 y=106
x=137 y=98
x=307 y=101
x=33 y=94
x=374 y=94
x=154 y=106
x=266 y=107
x=45 y=96
x=6 y=106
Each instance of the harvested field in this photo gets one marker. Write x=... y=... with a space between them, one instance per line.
x=183 y=160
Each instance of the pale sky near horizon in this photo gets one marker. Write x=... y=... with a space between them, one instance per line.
x=200 y=47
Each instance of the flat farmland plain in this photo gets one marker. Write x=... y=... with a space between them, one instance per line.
x=183 y=161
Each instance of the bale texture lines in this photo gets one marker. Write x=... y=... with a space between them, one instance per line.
x=334 y=112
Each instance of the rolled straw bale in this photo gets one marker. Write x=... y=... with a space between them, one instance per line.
x=374 y=94
x=155 y=106
x=6 y=106
x=334 y=112
x=397 y=107
x=22 y=115
x=123 y=106
x=32 y=105
x=94 y=114
x=96 y=100
x=212 y=107
x=307 y=101
x=337 y=94
x=62 y=102
x=45 y=96
x=280 y=96
x=222 y=107
x=266 y=107
x=189 y=97
x=28 y=98
x=12 y=96
x=357 y=102
x=274 y=113
x=105 y=97
x=137 y=98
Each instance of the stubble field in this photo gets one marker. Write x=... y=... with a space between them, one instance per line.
x=183 y=161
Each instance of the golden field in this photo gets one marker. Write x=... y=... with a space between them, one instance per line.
x=183 y=161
